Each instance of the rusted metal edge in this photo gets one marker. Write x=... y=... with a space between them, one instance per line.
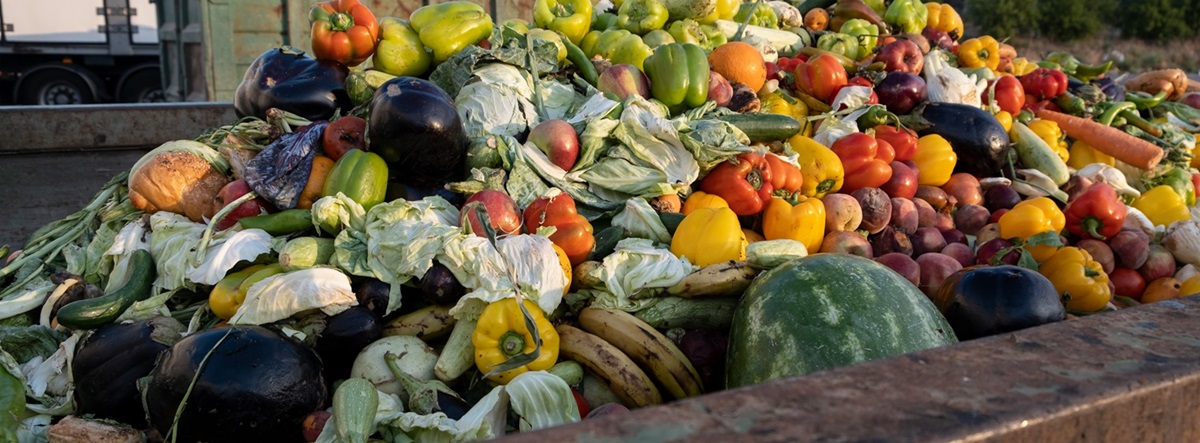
x=1131 y=375
x=37 y=129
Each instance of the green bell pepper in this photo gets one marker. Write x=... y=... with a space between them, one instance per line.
x=1180 y=180
x=678 y=74
x=400 y=50
x=716 y=37
x=642 y=16
x=604 y=22
x=360 y=175
x=907 y=15
x=517 y=25
x=571 y=18
x=838 y=43
x=689 y=31
x=588 y=43
x=878 y=5
x=657 y=37
x=865 y=33
x=1071 y=65
x=759 y=14
x=620 y=46
x=447 y=28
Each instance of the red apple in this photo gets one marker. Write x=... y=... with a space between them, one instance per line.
x=623 y=80
x=344 y=134
x=502 y=211
x=903 y=183
x=719 y=89
x=901 y=55
x=233 y=191
x=558 y=140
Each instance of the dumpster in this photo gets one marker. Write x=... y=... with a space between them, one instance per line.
x=738 y=227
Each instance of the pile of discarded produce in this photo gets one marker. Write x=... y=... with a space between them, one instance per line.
x=441 y=228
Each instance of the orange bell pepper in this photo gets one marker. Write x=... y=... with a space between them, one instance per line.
x=344 y=31
x=573 y=232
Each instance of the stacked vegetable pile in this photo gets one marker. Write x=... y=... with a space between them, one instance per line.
x=492 y=228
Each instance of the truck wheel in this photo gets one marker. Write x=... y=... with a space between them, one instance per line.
x=55 y=87
x=143 y=86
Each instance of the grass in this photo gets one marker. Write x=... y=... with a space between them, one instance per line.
x=1128 y=55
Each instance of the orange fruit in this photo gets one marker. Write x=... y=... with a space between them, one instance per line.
x=739 y=62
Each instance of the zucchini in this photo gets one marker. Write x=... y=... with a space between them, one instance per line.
x=305 y=252
x=280 y=223
x=354 y=406
x=764 y=127
x=96 y=312
x=689 y=313
x=1036 y=153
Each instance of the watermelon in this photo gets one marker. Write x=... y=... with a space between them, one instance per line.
x=825 y=311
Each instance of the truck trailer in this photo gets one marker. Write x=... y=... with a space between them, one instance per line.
x=57 y=52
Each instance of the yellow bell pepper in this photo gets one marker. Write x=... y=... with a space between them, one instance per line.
x=1049 y=132
x=701 y=199
x=1079 y=279
x=821 y=168
x=935 y=160
x=1022 y=66
x=944 y=18
x=708 y=236
x=724 y=10
x=979 y=52
x=229 y=293
x=776 y=103
x=1005 y=119
x=501 y=334
x=1162 y=205
x=1032 y=217
x=564 y=262
x=1083 y=154
x=803 y=221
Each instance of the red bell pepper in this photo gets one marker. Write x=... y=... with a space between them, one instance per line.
x=743 y=181
x=1044 y=84
x=786 y=177
x=904 y=142
x=344 y=31
x=1009 y=94
x=865 y=161
x=573 y=232
x=1097 y=212
x=821 y=77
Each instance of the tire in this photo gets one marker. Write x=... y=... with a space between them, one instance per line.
x=54 y=87
x=144 y=86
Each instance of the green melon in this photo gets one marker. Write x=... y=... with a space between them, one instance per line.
x=825 y=311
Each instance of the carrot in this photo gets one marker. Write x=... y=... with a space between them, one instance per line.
x=1107 y=139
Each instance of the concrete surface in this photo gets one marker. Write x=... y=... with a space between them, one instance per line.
x=1128 y=376
x=54 y=159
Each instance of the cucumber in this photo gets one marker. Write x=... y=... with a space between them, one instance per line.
x=354 y=406
x=305 y=252
x=689 y=313
x=96 y=312
x=671 y=220
x=1036 y=153
x=764 y=127
x=768 y=254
